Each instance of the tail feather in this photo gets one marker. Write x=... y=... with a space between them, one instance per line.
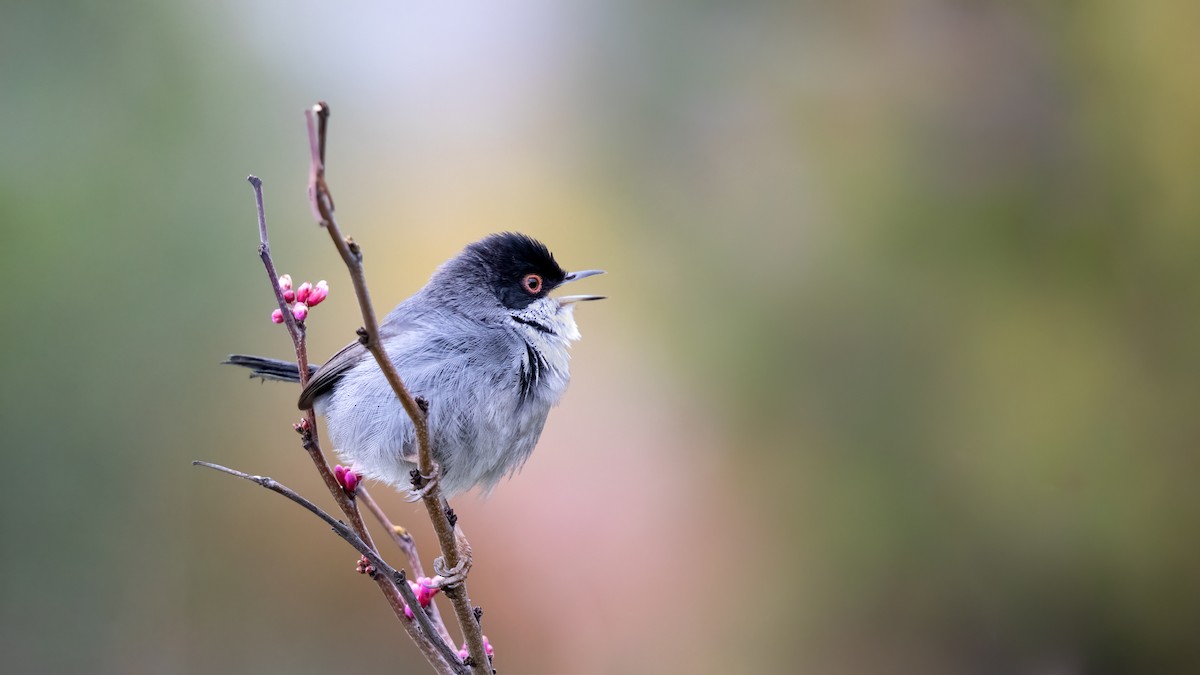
x=268 y=369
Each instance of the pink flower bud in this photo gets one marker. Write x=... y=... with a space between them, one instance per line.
x=289 y=296
x=408 y=612
x=463 y=654
x=425 y=591
x=300 y=311
x=319 y=293
x=349 y=481
x=487 y=646
x=277 y=316
x=285 y=282
x=303 y=292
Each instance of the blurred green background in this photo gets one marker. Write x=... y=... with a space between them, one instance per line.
x=899 y=371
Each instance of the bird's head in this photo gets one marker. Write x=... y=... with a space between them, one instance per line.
x=511 y=275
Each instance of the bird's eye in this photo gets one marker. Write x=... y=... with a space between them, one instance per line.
x=532 y=283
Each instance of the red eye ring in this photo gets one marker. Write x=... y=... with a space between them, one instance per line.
x=532 y=283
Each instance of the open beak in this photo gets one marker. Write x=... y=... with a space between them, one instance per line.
x=576 y=276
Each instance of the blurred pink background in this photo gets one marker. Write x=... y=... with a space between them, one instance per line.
x=897 y=374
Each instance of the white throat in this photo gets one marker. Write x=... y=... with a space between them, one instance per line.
x=550 y=329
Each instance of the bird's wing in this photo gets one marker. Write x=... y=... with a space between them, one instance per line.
x=349 y=356
x=333 y=370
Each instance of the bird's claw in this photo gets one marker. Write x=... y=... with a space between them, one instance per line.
x=454 y=575
x=422 y=484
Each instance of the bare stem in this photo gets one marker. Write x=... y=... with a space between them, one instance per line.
x=299 y=343
x=295 y=328
x=404 y=541
x=442 y=657
x=399 y=535
x=435 y=503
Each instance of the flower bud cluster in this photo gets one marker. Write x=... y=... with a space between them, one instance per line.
x=300 y=299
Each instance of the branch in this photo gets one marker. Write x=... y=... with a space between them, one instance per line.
x=295 y=328
x=404 y=541
x=430 y=643
x=322 y=203
x=296 y=331
x=399 y=535
x=383 y=570
x=435 y=503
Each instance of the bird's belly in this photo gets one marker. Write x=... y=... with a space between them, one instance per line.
x=488 y=443
x=479 y=436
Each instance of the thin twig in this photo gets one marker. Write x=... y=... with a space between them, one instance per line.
x=404 y=541
x=382 y=569
x=299 y=343
x=399 y=535
x=435 y=503
x=295 y=328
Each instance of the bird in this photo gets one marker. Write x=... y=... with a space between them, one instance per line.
x=483 y=342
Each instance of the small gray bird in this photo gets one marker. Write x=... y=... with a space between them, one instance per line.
x=483 y=342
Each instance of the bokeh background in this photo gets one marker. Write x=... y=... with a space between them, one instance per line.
x=899 y=373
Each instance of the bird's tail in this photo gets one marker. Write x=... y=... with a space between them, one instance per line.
x=268 y=369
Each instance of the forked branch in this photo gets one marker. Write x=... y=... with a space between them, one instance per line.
x=439 y=510
x=383 y=571
x=427 y=631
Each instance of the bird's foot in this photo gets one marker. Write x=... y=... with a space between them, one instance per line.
x=422 y=484
x=457 y=574
x=451 y=576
